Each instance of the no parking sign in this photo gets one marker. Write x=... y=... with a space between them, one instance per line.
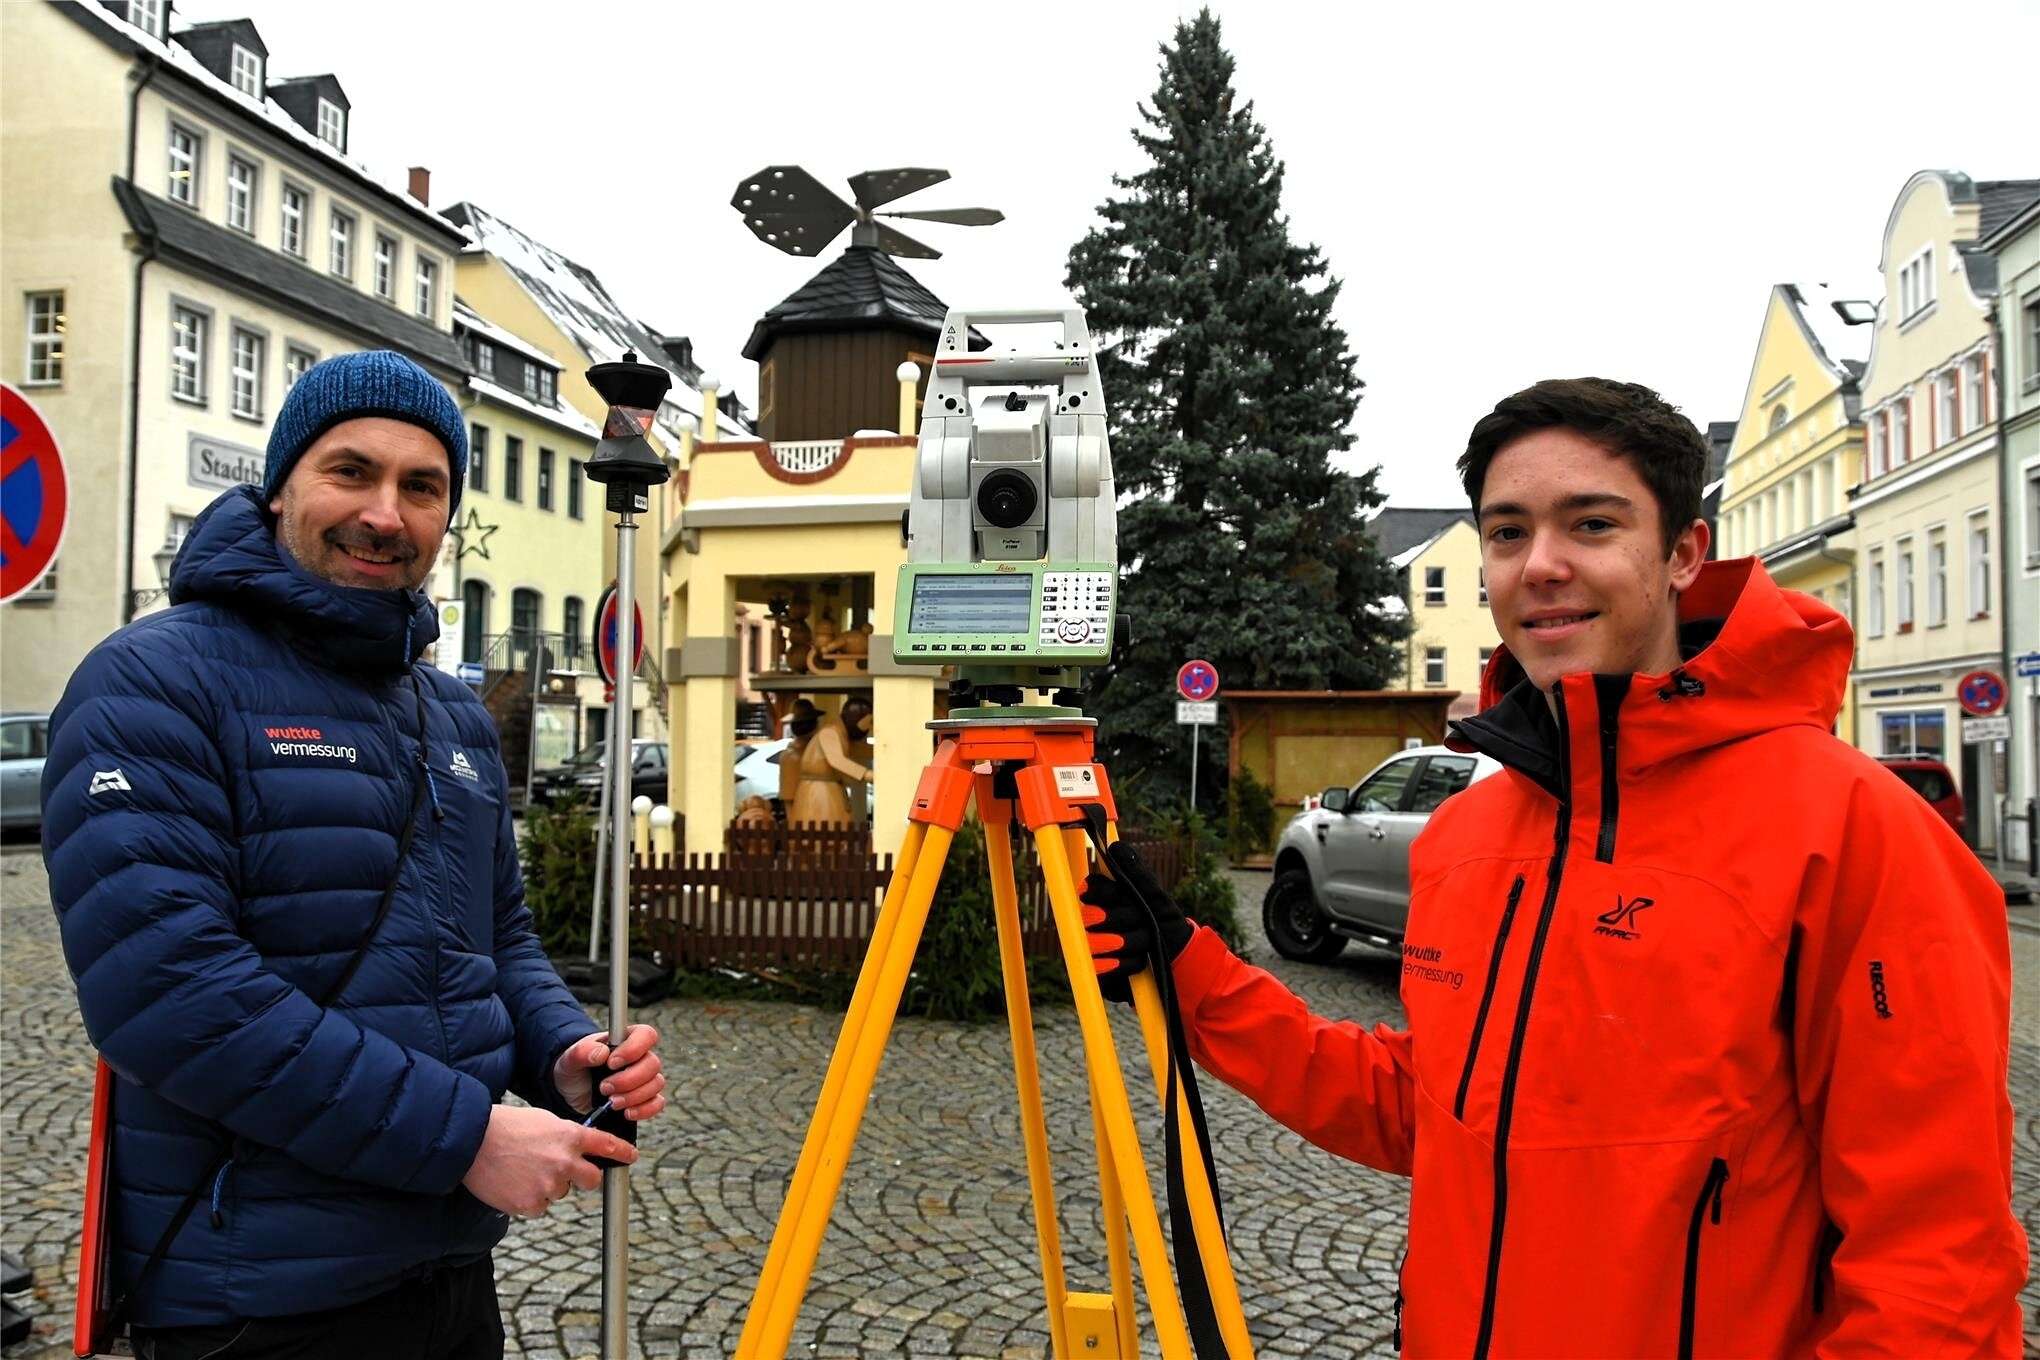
x=35 y=494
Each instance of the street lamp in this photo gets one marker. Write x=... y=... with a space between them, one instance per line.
x=164 y=558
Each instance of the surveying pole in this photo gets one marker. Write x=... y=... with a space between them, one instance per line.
x=625 y=464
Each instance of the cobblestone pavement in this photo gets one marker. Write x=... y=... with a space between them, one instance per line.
x=931 y=1249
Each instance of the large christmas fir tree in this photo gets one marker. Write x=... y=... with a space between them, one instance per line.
x=1229 y=387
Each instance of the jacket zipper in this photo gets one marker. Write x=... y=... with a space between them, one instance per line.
x=1710 y=1191
x=1609 y=691
x=445 y=1053
x=1505 y=1112
x=1487 y=996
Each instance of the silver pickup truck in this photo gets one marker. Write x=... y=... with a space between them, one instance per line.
x=1342 y=868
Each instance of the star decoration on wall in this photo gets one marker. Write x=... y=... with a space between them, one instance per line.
x=473 y=535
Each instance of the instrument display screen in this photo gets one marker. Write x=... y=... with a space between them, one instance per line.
x=972 y=604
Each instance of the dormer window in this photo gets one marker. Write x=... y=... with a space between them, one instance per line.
x=485 y=359
x=332 y=125
x=247 y=71
x=147 y=15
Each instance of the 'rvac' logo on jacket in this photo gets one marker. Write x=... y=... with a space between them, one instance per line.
x=297 y=740
x=1621 y=922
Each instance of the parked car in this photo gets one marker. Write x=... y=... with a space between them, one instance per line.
x=1931 y=780
x=24 y=740
x=581 y=773
x=757 y=769
x=1342 y=868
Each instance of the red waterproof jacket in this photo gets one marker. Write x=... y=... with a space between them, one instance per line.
x=1708 y=1027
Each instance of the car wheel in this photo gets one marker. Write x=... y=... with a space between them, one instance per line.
x=1295 y=926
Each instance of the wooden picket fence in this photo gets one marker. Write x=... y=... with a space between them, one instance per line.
x=793 y=898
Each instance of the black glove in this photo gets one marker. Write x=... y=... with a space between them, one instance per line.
x=1124 y=918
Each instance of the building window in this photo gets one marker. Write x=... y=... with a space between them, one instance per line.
x=1922 y=732
x=428 y=287
x=1979 y=565
x=545 y=479
x=184 y=153
x=1916 y=285
x=292 y=234
x=1948 y=425
x=1487 y=654
x=188 y=331
x=1875 y=622
x=385 y=268
x=574 y=478
x=1974 y=403
x=530 y=380
x=478 y=457
x=247 y=68
x=1937 y=577
x=2032 y=517
x=1434 y=666
x=1480 y=575
x=45 y=339
x=242 y=177
x=147 y=15
x=485 y=360
x=570 y=624
x=513 y=468
x=1434 y=585
x=1779 y=416
x=1904 y=584
x=2032 y=344
x=332 y=125
x=548 y=387
x=1875 y=426
x=340 y=259
x=1901 y=432
x=249 y=349
x=297 y=361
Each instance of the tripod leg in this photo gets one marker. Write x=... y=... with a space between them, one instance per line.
x=1103 y=1062
x=1026 y=1062
x=1118 y=1253
x=845 y=1091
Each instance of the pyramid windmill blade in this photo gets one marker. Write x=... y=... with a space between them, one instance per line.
x=874 y=187
x=961 y=217
x=899 y=243
x=790 y=210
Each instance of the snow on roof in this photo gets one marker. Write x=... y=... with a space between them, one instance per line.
x=1838 y=341
x=187 y=64
x=468 y=319
x=578 y=303
x=564 y=416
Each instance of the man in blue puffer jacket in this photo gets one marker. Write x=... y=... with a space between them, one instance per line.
x=234 y=788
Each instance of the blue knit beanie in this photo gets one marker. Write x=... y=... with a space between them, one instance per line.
x=377 y=382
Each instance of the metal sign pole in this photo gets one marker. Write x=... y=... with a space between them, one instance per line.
x=1195 y=728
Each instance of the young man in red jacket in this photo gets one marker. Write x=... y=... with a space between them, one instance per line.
x=1732 y=1080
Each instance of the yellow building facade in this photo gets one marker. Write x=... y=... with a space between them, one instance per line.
x=1798 y=449
x=1436 y=553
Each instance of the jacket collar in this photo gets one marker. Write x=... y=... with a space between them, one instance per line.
x=232 y=559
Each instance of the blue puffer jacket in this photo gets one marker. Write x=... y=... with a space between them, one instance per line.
x=225 y=792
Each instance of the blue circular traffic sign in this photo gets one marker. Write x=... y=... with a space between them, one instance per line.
x=35 y=494
x=1197 y=681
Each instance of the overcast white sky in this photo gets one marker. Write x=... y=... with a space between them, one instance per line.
x=1508 y=191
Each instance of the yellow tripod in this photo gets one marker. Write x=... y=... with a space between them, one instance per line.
x=1054 y=779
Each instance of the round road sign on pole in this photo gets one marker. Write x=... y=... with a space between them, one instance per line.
x=605 y=636
x=35 y=494
x=1197 y=681
x=1982 y=693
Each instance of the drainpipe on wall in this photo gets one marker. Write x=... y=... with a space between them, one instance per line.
x=134 y=432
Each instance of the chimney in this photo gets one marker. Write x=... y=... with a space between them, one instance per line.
x=421 y=184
